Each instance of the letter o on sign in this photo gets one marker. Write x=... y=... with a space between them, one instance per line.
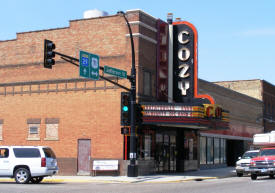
x=184 y=54
x=218 y=113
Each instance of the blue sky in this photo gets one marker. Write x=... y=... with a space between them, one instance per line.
x=236 y=37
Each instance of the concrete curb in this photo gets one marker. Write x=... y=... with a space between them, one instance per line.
x=115 y=181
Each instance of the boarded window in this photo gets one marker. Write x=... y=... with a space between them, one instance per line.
x=51 y=131
x=1 y=131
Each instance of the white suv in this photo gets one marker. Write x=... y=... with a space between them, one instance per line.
x=27 y=163
x=242 y=165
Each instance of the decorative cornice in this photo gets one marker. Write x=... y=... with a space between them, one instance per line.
x=139 y=35
x=143 y=25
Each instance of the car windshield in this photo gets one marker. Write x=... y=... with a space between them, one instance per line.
x=249 y=155
x=267 y=152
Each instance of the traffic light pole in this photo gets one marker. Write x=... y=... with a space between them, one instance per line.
x=132 y=168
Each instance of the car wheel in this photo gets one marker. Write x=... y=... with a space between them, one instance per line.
x=36 y=180
x=239 y=174
x=22 y=176
x=253 y=176
x=271 y=175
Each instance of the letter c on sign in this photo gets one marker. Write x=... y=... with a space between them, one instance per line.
x=209 y=112
x=181 y=35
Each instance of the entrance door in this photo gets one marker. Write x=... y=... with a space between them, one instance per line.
x=84 y=156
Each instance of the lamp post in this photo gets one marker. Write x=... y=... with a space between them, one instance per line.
x=132 y=168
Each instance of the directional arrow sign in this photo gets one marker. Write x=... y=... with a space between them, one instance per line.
x=88 y=65
x=115 y=72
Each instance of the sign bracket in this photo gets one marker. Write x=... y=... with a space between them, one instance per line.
x=72 y=59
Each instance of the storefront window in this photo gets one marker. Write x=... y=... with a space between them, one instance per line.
x=210 y=153
x=147 y=147
x=191 y=147
x=159 y=152
x=223 y=150
x=212 y=150
x=216 y=150
x=202 y=150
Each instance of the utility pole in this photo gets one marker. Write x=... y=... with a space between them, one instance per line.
x=132 y=168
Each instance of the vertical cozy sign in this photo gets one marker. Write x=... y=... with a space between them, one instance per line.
x=185 y=64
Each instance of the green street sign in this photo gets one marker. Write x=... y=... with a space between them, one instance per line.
x=88 y=65
x=115 y=72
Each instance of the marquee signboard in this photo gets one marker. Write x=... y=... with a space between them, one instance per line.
x=204 y=116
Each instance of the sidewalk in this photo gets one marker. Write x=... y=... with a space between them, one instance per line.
x=169 y=178
x=165 y=178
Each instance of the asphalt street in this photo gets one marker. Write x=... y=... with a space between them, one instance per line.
x=224 y=185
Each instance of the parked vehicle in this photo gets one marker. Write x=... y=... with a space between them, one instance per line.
x=27 y=163
x=264 y=164
x=242 y=165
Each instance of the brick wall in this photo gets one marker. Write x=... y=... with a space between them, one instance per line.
x=244 y=110
x=268 y=93
x=259 y=89
x=84 y=109
x=248 y=87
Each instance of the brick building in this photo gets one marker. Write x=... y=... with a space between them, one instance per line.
x=80 y=118
x=259 y=89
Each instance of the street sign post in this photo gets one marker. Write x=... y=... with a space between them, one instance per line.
x=88 y=65
x=115 y=72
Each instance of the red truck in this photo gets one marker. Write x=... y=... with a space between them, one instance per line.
x=263 y=164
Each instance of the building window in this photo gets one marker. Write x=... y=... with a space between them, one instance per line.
x=147 y=147
x=210 y=152
x=202 y=150
x=52 y=125
x=1 y=131
x=272 y=112
x=147 y=83
x=34 y=129
x=216 y=150
x=223 y=151
x=34 y=132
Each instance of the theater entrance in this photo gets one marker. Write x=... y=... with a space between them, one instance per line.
x=166 y=153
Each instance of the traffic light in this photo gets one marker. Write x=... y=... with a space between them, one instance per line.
x=49 y=54
x=139 y=113
x=125 y=109
x=125 y=130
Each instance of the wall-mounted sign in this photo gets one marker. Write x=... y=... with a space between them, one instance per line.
x=162 y=61
x=173 y=111
x=212 y=111
x=205 y=111
x=191 y=116
x=185 y=64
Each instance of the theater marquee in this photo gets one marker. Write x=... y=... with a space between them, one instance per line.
x=204 y=116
